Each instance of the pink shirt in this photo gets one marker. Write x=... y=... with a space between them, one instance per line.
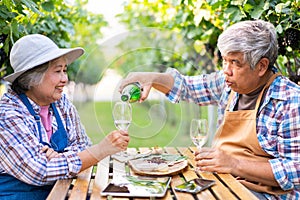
x=46 y=120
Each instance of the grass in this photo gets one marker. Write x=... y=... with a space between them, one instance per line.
x=154 y=123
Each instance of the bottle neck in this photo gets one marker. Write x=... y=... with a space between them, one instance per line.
x=125 y=96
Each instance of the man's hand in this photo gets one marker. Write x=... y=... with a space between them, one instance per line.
x=163 y=82
x=215 y=160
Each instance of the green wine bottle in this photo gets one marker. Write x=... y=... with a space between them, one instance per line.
x=131 y=93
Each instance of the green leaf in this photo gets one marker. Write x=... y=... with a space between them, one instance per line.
x=7 y=3
x=6 y=14
x=31 y=5
x=48 y=6
x=266 y=5
x=216 y=4
x=258 y=10
x=198 y=45
x=233 y=14
x=237 y=2
x=193 y=33
x=248 y=7
x=283 y=7
x=279 y=28
x=256 y=13
x=212 y=2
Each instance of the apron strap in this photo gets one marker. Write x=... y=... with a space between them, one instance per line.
x=59 y=139
x=270 y=81
x=35 y=115
x=229 y=99
x=265 y=87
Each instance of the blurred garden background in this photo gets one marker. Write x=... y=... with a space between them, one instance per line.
x=121 y=36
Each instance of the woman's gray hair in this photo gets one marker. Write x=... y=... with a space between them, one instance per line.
x=256 y=39
x=30 y=78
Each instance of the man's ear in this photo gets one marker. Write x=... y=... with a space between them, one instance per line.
x=263 y=66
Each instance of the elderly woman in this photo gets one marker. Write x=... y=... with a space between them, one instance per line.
x=42 y=139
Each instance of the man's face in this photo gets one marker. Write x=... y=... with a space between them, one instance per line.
x=238 y=74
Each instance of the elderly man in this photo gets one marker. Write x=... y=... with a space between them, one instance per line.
x=257 y=139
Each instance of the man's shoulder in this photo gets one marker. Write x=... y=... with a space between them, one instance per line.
x=283 y=88
x=284 y=83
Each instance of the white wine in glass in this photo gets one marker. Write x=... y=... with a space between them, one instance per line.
x=122 y=115
x=122 y=124
x=199 y=132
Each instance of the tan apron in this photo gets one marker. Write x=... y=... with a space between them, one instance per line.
x=237 y=136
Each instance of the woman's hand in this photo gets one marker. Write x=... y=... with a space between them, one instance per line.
x=114 y=142
x=50 y=153
x=215 y=160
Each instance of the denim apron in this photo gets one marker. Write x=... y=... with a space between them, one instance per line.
x=13 y=189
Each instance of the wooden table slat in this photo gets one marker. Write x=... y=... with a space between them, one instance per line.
x=101 y=179
x=186 y=152
x=81 y=185
x=239 y=189
x=219 y=189
x=60 y=190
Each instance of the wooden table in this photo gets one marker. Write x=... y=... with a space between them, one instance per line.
x=89 y=183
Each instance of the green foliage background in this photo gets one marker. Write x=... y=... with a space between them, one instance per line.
x=195 y=23
x=200 y=23
x=67 y=24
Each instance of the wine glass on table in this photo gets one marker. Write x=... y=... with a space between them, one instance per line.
x=199 y=132
x=122 y=116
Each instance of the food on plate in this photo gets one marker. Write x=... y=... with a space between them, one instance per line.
x=159 y=164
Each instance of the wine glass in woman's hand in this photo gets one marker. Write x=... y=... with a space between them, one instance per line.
x=122 y=115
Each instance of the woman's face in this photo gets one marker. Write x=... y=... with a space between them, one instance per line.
x=52 y=84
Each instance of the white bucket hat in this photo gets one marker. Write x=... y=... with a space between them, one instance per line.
x=33 y=50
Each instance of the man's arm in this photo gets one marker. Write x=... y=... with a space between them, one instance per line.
x=216 y=160
x=255 y=171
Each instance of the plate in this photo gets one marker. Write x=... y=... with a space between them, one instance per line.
x=137 y=186
x=159 y=164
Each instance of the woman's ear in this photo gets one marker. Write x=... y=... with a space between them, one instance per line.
x=263 y=66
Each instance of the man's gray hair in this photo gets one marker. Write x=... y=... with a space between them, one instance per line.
x=256 y=39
